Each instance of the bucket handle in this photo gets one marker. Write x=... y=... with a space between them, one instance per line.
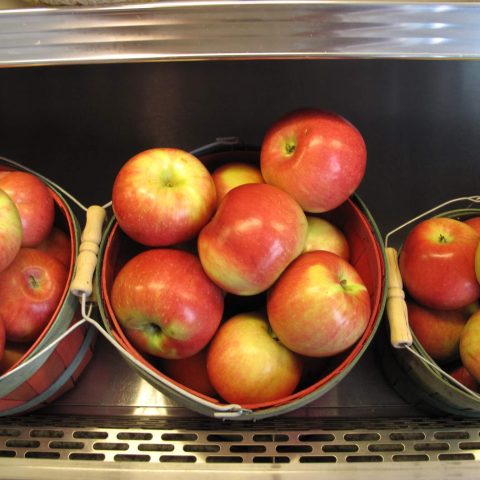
x=82 y=283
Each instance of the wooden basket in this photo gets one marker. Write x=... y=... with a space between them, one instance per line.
x=367 y=255
x=50 y=366
x=415 y=376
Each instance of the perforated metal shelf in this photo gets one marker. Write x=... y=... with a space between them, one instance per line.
x=289 y=447
x=97 y=431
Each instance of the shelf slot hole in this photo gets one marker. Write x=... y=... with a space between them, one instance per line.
x=178 y=459
x=156 y=447
x=361 y=437
x=46 y=434
x=110 y=446
x=87 y=456
x=92 y=435
x=131 y=458
x=431 y=446
x=276 y=459
x=318 y=459
x=134 y=436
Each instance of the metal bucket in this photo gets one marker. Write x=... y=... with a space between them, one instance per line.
x=50 y=366
x=367 y=255
x=414 y=375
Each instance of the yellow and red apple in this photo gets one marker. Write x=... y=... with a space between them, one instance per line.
x=437 y=263
x=12 y=354
x=256 y=232
x=474 y=222
x=248 y=365
x=34 y=202
x=320 y=306
x=2 y=341
x=10 y=231
x=163 y=196
x=166 y=304
x=462 y=375
x=233 y=174
x=438 y=331
x=470 y=345
x=30 y=290
x=318 y=157
x=58 y=244
x=190 y=372
x=324 y=235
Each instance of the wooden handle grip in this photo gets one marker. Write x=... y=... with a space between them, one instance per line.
x=82 y=283
x=400 y=333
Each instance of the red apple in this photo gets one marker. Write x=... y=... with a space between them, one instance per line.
x=34 y=202
x=10 y=231
x=462 y=375
x=58 y=244
x=190 y=372
x=319 y=306
x=163 y=196
x=438 y=331
x=437 y=263
x=474 y=222
x=256 y=232
x=247 y=365
x=324 y=235
x=12 y=354
x=2 y=341
x=30 y=290
x=166 y=304
x=470 y=345
x=318 y=157
x=231 y=175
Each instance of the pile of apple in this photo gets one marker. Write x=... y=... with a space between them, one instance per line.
x=250 y=235
x=440 y=267
x=34 y=263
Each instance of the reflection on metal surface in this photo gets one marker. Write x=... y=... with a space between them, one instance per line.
x=234 y=29
x=111 y=387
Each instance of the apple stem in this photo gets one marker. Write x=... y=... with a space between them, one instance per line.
x=153 y=328
x=273 y=334
x=442 y=238
x=290 y=148
x=33 y=281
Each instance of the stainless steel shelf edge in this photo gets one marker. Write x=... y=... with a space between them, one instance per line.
x=37 y=447
x=201 y=30
x=46 y=470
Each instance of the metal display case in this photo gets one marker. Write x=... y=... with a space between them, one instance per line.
x=106 y=81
